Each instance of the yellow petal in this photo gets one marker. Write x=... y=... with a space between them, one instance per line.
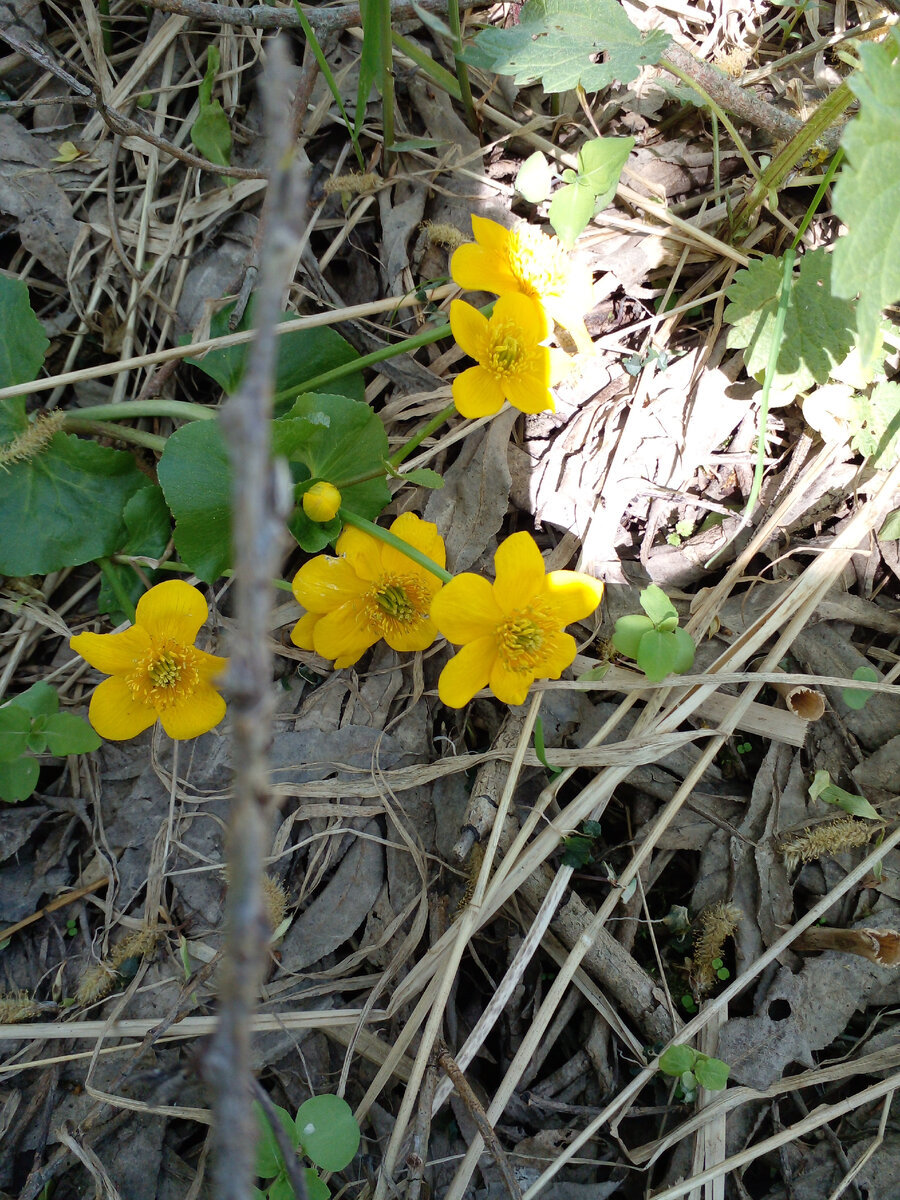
x=112 y=653
x=465 y=610
x=344 y=635
x=525 y=312
x=421 y=535
x=477 y=393
x=418 y=635
x=520 y=572
x=510 y=687
x=470 y=329
x=490 y=234
x=303 y=633
x=197 y=713
x=479 y=270
x=529 y=393
x=172 y=611
x=362 y=552
x=325 y=583
x=467 y=672
x=557 y=653
x=115 y=714
x=210 y=666
x=574 y=595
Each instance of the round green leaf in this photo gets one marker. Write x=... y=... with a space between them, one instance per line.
x=711 y=1073
x=18 y=779
x=657 y=655
x=856 y=698
x=64 y=507
x=534 y=178
x=24 y=343
x=657 y=605
x=328 y=1131
x=570 y=210
x=316 y=1189
x=41 y=700
x=195 y=476
x=15 y=726
x=628 y=633
x=677 y=1059
x=686 y=650
x=67 y=733
x=269 y=1160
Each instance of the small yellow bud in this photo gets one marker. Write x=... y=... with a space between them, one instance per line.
x=321 y=502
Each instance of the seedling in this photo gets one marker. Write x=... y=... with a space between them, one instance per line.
x=579 y=847
x=656 y=641
x=856 y=698
x=324 y=1129
x=692 y=1070
x=32 y=724
x=823 y=789
x=585 y=192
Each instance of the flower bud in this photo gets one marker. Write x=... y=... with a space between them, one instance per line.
x=321 y=502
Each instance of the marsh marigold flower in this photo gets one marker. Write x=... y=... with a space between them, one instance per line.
x=511 y=631
x=525 y=260
x=371 y=591
x=512 y=365
x=155 y=670
x=321 y=502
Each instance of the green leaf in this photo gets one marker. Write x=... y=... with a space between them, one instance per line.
x=18 y=779
x=823 y=789
x=540 y=749
x=64 y=507
x=195 y=475
x=302 y=355
x=281 y=1189
x=556 y=39
x=41 y=700
x=350 y=442
x=661 y=654
x=686 y=651
x=570 y=210
x=67 y=733
x=600 y=164
x=23 y=344
x=657 y=605
x=269 y=1160
x=423 y=477
x=877 y=425
x=15 y=726
x=628 y=633
x=711 y=1073
x=856 y=698
x=579 y=850
x=316 y=1189
x=819 y=329
x=148 y=527
x=677 y=1059
x=593 y=829
x=867 y=193
x=328 y=1131
x=211 y=132
x=534 y=178
x=890 y=530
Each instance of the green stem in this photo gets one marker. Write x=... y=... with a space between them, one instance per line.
x=178 y=568
x=387 y=78
x=119 y=433
x=820 y=192
x=331 y=82
x=435 y=423
x=717 y=111
x=462 y=73
x=125 y=410
x=112 y=578
x=391 y=539
x=435 y=72
x=367 y=360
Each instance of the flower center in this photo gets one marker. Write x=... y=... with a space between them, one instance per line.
x=395 y=603
x=538 y=262
x=522 y=636
x=165 y=676
x=506 y=353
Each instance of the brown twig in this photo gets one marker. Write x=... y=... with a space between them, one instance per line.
x=59 y=902
x=260 y=16
x=476 y=1111
x=258 y=523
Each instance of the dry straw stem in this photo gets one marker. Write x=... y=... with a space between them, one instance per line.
x=802 y=701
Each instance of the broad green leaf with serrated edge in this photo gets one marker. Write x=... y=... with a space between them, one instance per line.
x=867 y=193
x=677 y=1059
x=148 y=527
x=534 y=178
x=64 y=506
x=23 y=344
x=570 y=210
x=556 y=39
x=877 y=420
x=302 y=354
x=329 y=1133
x=819 y=329
x=18 y=779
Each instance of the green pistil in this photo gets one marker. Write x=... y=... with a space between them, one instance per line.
x=505 y=353
x=394 y=601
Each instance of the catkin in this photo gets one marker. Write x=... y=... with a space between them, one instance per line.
x=33 y=440
x=845 y=833
x=17 y=1006
x=714 y=925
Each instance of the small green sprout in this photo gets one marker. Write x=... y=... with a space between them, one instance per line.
x=325 y=1130
x=693 y=1069
x=31 y=724
x=656 y=641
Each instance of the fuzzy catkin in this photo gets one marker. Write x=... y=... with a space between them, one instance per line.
x=33 y=440
x=714 y=925
x=16 y=1007
x=846 y=833
x=275 y=901
x=100 y=978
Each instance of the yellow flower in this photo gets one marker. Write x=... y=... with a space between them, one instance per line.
x=511 y=631
x=321 y=502
x=512 y=365
x=155 y=670
x=372 y=591
x=525 y=260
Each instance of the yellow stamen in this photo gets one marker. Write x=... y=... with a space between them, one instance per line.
x=521 y=638
x=396 y=603
x=539 y=263
x=165 y=676
x=505 y=353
